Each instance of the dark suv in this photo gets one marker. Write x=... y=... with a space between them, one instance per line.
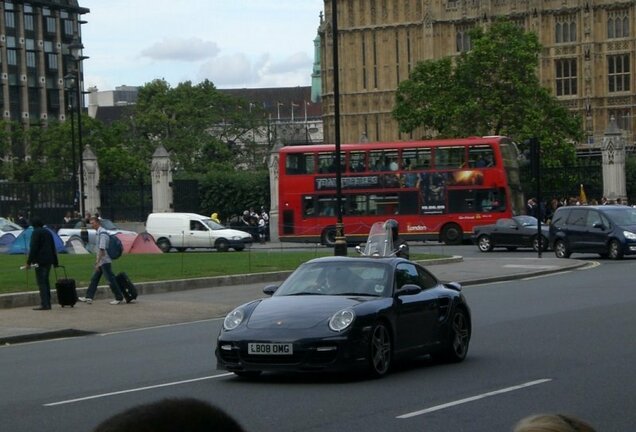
x=609 y=231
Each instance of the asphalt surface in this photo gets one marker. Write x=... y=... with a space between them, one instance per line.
x=173 y=302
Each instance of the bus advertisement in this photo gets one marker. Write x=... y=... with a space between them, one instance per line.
x=436 y=190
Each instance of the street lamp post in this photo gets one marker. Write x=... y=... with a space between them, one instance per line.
x=70 y=87
x=340 y=247
x=76 y=47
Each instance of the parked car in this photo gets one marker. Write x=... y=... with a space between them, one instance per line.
x=511 y=233
x=76 y=231
x=608 y=230
x=340 y=313
x=190 y=230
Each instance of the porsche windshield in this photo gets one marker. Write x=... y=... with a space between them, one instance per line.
x=339 y=278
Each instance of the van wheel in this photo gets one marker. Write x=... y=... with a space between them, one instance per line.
x=222 y=245
x=164 y=245
x=614 y=250
x=561 y=249
x=452 y=234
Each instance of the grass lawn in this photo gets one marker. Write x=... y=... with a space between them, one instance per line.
x=143 y=268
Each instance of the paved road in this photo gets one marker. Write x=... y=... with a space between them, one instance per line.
x=557 y=342
x=216 y=297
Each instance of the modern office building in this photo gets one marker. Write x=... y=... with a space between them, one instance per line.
x=37 y=38
x=587 y=59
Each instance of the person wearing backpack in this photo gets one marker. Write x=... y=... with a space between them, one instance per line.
x=103 y=264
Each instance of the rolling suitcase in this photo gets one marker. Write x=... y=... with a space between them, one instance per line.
x=66 y=289
x=126 y=286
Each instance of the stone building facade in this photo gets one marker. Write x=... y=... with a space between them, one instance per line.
x=587 y=59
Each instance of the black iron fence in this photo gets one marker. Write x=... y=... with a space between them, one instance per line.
x=126 y=201
x=187 y=196
x=49 y=201
x=565 y=182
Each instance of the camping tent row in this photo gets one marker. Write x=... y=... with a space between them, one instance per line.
x=142 y=243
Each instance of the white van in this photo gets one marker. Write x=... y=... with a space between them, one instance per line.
x=189 y=230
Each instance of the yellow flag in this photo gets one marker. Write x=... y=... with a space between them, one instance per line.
x=582 y=197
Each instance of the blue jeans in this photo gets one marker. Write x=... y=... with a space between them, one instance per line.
x=112 y=282
x=42 y=277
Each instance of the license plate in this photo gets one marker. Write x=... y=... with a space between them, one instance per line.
x=270 y=349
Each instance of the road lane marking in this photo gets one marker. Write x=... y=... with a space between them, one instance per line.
x=473 y=398
x=103 y=395
x=546 y=275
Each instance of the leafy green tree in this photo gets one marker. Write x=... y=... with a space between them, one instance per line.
x=491 y=90
x=202 y=128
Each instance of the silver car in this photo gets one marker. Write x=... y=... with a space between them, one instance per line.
x=76 y=231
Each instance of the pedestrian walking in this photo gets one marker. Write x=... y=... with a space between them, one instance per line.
x=42 y=255
x=103 y=265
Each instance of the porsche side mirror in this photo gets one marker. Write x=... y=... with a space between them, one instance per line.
x=409 y=289
x=270 y=289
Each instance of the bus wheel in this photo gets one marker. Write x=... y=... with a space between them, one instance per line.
x=452 y=234
x=329 y=236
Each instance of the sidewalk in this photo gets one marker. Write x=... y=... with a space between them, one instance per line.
x=172 y=302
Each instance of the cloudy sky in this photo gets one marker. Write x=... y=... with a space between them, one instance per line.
x=233 y=43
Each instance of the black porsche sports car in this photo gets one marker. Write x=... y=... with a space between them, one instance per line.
x=339 y=313
x=511 y=233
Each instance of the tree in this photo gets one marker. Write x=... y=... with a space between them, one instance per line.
x=202 y=128
x=491 y=90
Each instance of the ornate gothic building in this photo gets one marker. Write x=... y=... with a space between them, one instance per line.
x=587 y=59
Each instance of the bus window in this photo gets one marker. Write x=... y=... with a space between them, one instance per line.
x=326 y=206
x=357 y=161
x=416 y=158
x=356 y=205
x=450 y=157
x=309 y=209
x=326 y=162
x=408 y=203
x=383 y=204
x=480 y=156
x=302 y=163
x=383 y=160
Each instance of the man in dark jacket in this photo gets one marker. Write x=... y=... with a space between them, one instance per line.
x=42 y=252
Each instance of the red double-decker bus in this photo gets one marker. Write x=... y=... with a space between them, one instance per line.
x=436 y=190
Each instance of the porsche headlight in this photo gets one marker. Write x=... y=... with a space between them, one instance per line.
x=629 y=235
x=233 y=319
x=341 y=320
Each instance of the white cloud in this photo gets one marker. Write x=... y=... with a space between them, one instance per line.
x=228 y=70
x=193 y=49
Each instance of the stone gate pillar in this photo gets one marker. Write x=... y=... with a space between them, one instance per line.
x=613 y=151
x=92 y=200
x=273 y=192
x=161 y=173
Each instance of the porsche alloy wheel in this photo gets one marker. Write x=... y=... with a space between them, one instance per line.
x=484 y=243
x=456 y=346
x=380 y=350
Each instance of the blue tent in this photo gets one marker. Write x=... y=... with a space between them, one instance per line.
x=22 y=243
x=6 y=240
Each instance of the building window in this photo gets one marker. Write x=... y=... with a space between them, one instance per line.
x=48 y=46
x=618 y=73
x=28 y=23
x=565 y=29
x=364 y=62
x=623 y=118
x=566 y=77
x=462 y=38
x=375 y=61
x=9 y=19
x=12 y=57
x=68 y=28
x=30 y=59
x=51 y=61
x=51 y=25
x=618 y=24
